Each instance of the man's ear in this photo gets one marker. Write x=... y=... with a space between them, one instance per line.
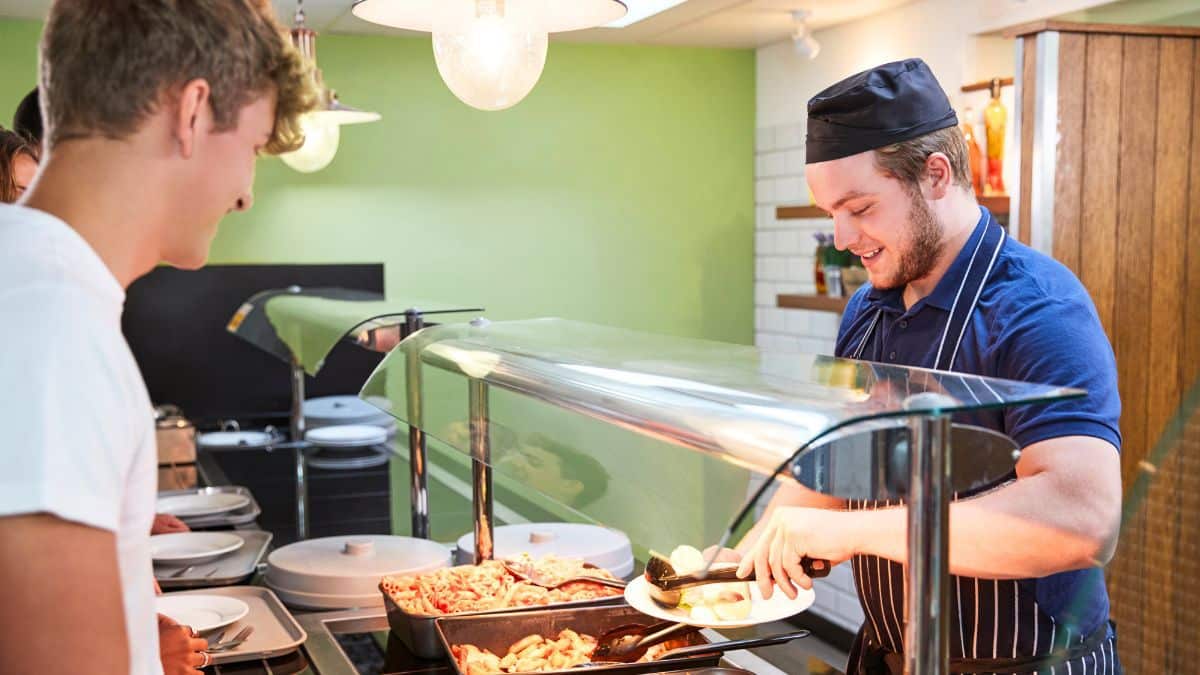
x=940 y=175
x=192 y=108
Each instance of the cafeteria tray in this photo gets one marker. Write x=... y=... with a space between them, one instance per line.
x=498 y=632
x=230 y=569
x=419 y=631
x=243 y=516
x=276 y=631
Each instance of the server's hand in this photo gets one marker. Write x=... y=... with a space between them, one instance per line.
x=792 y=533
x=722 y=555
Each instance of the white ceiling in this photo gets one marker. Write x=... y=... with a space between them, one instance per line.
x=708 y=23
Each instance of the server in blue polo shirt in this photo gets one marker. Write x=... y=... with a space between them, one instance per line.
x=950 y=290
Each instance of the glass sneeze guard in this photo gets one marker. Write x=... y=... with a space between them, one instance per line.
x=484 y=383
x=301 y=326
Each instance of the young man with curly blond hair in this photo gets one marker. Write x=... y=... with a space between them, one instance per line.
x=155 y=112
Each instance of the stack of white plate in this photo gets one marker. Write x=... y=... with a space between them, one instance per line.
x=330 y=411
x=348 y=447
x=198 y=504
x=190 y=548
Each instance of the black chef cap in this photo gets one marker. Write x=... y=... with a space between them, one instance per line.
x=887 y=104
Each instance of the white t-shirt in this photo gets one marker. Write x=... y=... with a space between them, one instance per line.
x=78 y=426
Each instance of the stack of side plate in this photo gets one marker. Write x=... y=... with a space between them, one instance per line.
x=330 y=411
x=347 y=446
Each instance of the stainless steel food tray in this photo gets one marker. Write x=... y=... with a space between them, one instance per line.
x=419 y=631
x=497 y=632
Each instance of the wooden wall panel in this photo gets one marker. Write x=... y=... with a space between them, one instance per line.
x=1132 y=317
x=1139 y=94
x=1186 y=611
x=1027 y=107
x=1068 y=210
x=1171 y=165
x=1101 y=144
x=1190 y=368
x=1135 y=243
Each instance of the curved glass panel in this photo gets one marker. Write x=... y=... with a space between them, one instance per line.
x=728 y=400
x=304 y=324
x=599 y=424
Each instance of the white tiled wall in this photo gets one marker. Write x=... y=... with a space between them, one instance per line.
x=784 y=264
x=784 y=248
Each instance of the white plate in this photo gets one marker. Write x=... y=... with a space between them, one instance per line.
x=761 y=611
x=347 y=436
x=191 y=506
x=201 y=612
x=186 y=548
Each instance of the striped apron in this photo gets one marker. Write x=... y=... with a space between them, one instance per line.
x=995 y=625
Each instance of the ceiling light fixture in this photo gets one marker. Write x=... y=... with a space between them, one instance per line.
x=802 y=39
x=322 y=127
x=642 y=10
x=490 y=53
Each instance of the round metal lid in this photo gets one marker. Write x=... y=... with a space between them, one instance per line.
x=327 y=410
x=598 y=545
x=351 y=566
x=347 y=436
x=234 y=439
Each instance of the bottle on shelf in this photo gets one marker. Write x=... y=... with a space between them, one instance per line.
x=974 y=154
x=995 y=116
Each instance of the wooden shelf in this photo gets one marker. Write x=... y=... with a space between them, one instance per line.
x=998 y=205
x=793 y=212
x=1024 y=30
x=819 y=303
x=985 y=85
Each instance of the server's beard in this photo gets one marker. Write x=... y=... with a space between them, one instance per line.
x=924 y=245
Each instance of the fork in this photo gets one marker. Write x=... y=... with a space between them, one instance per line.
x=176 y=575
x=236 y=641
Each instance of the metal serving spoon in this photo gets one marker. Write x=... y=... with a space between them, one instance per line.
x=538 y=580
x=628 y=643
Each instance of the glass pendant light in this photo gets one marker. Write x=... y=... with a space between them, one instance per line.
x=322 y=127
x=490 y=53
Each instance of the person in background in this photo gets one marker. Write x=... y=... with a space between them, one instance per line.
x=155 y=113
x=18 y=165
x=27 y=120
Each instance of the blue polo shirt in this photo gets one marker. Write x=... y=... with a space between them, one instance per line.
x=1035 y=323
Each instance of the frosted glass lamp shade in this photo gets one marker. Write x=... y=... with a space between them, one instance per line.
x=321 y=136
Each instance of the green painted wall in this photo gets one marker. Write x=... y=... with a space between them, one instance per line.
x=620 y=191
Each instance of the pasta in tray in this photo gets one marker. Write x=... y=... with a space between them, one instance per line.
x=535 y=654
x=488 y=586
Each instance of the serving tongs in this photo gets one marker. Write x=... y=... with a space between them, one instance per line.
x=539 y=580
x=628 y=643
x=600 y=658
x=666 y=587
